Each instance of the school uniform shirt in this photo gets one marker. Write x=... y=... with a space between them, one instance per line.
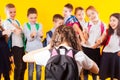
x=41 y=58
x=94 y=34
x=83 y=24
x=113 y=44
x=16 y=38
x=32 y=43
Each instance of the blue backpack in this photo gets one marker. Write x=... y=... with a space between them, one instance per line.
x=45 y=40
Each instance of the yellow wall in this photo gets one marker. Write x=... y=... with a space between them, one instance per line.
x=47 y=8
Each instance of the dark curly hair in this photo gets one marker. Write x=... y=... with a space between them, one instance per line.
x=65 y=34
x=110 y=30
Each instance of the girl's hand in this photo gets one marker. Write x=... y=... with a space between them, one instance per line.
x=118 y=54
x=11 y=59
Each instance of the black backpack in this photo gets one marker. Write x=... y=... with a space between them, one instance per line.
x=62 y=67
x=45 y=40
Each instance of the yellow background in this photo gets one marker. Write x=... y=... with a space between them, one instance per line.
x=47 y=8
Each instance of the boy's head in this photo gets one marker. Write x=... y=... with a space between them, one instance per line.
x=10 y=11
x=32 y=15
x=67 y=11
x=57 y=20
x=79 y=13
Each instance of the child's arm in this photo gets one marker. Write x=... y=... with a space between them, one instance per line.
x=100 y=40
x=86 y=63
x=29 y=56
x=78 y=30
x=118 y=53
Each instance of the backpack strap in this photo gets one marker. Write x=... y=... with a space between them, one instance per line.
x=89 y=26
x=36 y=26
x=101 y=27
x=50 y=33
x=29 y=27
x=15 y=20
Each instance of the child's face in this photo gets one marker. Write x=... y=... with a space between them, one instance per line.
x=92 y=15
x=32 y=18
x=58 y=22
x=80 y=15
x=11 y=13
x=66 y=12
x=113 y=22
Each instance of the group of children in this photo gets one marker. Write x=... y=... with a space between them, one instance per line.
x=72 y=32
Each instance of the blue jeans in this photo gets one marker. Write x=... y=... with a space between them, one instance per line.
x=31 y=70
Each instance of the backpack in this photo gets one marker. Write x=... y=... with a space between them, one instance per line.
x=29 y=27
x=101 y=27
x=45 y=40
x=10 y=37
x=70 y=21
x=62 y=67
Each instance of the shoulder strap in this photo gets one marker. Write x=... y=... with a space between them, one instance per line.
x=15 y=20
x=50 y=33
x=102 y=28
x=9 y=20
x=36 y=26
x=28 y=25
x=89 y=26
x=17 y=23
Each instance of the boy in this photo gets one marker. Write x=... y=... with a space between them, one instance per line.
x=17 y=48
x=72 y=21
x=57 y=21
x=16 y=41
x=33 y=34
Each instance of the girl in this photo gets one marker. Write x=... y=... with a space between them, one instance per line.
x=95 y=29
x=5 y=54
x=80 y=15
x=61 y=38
x=110 y=62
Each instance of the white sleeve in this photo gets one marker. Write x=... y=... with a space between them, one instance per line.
x=83 y=60
x=8 y=26
x=42 y=57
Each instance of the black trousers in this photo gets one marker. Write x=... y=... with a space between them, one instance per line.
x=94 y=54
x=20 y=66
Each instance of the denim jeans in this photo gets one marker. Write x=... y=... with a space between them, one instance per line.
x=31 y=70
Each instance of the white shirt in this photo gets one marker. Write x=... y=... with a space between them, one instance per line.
x=94 y=34
x=113 y=44
x=16 y=38
x=82 y=60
